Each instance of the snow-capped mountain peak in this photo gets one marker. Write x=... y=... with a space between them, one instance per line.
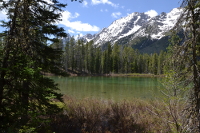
x=138 y=25
x=121 y=28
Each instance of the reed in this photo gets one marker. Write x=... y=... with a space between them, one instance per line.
x=93 y=116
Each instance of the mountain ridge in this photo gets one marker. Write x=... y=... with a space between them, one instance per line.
x=138 y=28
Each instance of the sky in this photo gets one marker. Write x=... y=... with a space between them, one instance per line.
x=91 y=16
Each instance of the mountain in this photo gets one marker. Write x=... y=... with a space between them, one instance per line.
x=88 y=37
x=139 y=30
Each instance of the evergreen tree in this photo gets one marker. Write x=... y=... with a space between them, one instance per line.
x=185 y=62
x=86 y=60
x=146 y=62
x=82 y=53
x=160 y=62
x=108 y=58
x=128 y=57
x=97 y=60
x=154 y=63
x=115 y=58
x=103 y=62
x=140 y=64
x=91 y=57
x=72 y=61
x=25 y=94
x=66 y=56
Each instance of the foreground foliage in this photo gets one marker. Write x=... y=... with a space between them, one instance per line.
x=185 y=59
x=25 y=94
x=92 y=116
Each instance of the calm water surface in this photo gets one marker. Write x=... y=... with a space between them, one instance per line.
x=109 y=88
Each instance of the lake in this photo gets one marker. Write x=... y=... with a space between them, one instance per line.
x=109 y=88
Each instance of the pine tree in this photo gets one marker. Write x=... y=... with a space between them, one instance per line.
x=116 y=59
x=146 y=62
x=128 y=58
x=91 y=57
x=154 y=63
x=108 y=58
x=103 y=62
x=86 y=62
x=97 y=60
x=160 y=62
x=66 y=56
x=25 y=94
x=185 y=62
x=71 y=46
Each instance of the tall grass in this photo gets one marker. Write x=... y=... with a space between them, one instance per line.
x=92 y=116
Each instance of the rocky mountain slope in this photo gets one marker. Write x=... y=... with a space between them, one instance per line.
x=139 y=30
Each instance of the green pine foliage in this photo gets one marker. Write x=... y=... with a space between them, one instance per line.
x=26 y=95
x=185 y=63
x=108 y=59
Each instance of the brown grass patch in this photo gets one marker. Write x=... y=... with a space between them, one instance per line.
x=92 y=116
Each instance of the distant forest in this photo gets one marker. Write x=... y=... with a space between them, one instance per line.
x=89 y=58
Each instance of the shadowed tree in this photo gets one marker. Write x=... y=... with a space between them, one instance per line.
x=115 y=58
x=186 y=62
x=25 y=94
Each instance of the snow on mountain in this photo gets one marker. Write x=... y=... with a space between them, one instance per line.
x=165 y=22
x=170 y=19
x=158 y=26
x=88 y=37
x=138 y=25
x=121 y=27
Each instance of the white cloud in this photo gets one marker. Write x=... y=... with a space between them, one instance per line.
x=151 y=13
x=96 y=2
x=3 y=15
x=116 y=14
x=76 y=25
x=71 y=31
x=68 y=15
x=85 y=3
x=76 y=15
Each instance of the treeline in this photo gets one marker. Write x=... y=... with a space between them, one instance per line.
x=94 y=59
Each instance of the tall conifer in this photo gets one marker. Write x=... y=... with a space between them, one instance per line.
x=25 y=94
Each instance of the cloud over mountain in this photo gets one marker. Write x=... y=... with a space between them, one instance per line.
x=151 y=13
x=67 y=18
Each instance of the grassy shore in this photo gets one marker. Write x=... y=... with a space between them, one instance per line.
x=92 y=116
x=135 y=75
x=120 y=75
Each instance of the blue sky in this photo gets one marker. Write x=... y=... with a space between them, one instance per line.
x=91 y=16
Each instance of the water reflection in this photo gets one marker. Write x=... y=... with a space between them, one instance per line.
x=109 y=88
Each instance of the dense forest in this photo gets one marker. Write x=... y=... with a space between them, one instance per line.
x=88 y=58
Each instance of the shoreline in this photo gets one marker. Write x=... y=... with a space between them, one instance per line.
x=120 y=75
x=136 y=75
x=110 y=75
